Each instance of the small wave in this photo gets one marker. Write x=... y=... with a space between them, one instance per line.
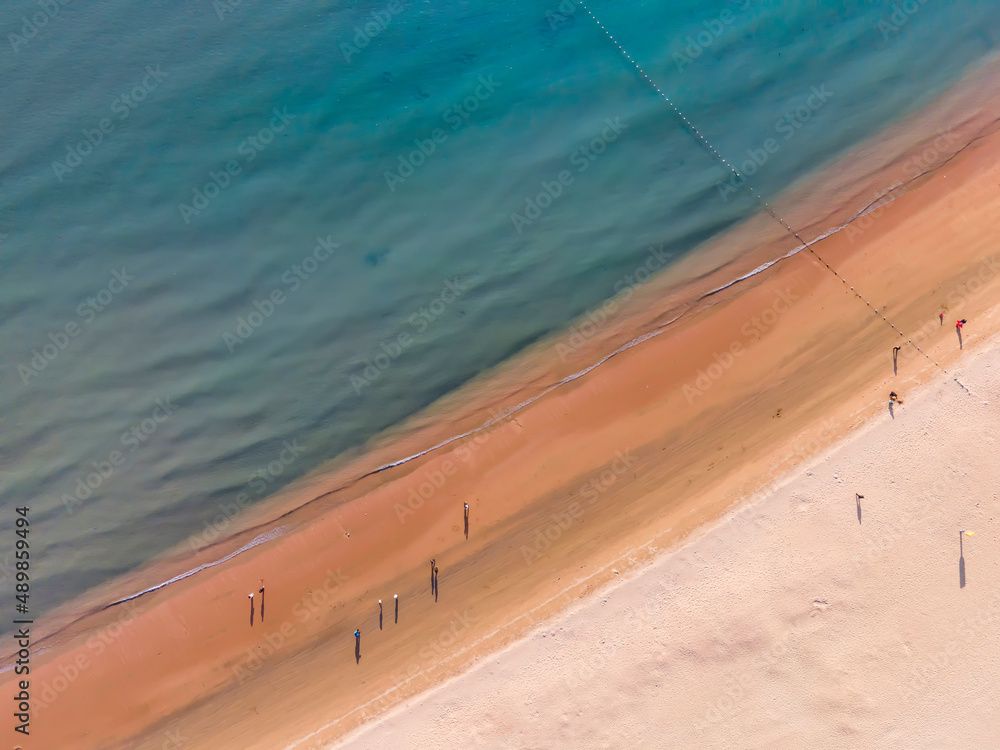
x=256 y=541
x=512 y=409
x=873 y=206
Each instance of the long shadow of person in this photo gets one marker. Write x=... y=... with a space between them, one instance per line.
x=357 y=646
x=857 y=499
x=379 y=614
x=396 y=621
x=891 y=412
x=466 y=520
x=251 y=610
x=961 y=562
x=434 y=584
x=959 y=332
x=895 y=355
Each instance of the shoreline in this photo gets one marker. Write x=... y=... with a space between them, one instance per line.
x=504 y=447
x=263 y=512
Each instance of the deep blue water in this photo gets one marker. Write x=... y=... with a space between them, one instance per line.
x=168 y=170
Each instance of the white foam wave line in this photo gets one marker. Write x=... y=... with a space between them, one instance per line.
x=800 y=248
x=257 y=540
x=512 y=409
x=279 y=532
x=757 y=270
x=13 y=664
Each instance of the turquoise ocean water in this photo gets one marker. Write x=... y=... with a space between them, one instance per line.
x=240 y=238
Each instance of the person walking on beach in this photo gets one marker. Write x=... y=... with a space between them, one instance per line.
x=357 y=645
x=958 y=330
x=251 y=610
x=379 y=614
x=466 y=520
x=262 y=600
x=942 y=318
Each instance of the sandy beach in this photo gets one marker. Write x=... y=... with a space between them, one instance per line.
x=778 y=628
x=809 y=618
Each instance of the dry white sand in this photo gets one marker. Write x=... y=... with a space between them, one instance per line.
x=789 y=625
